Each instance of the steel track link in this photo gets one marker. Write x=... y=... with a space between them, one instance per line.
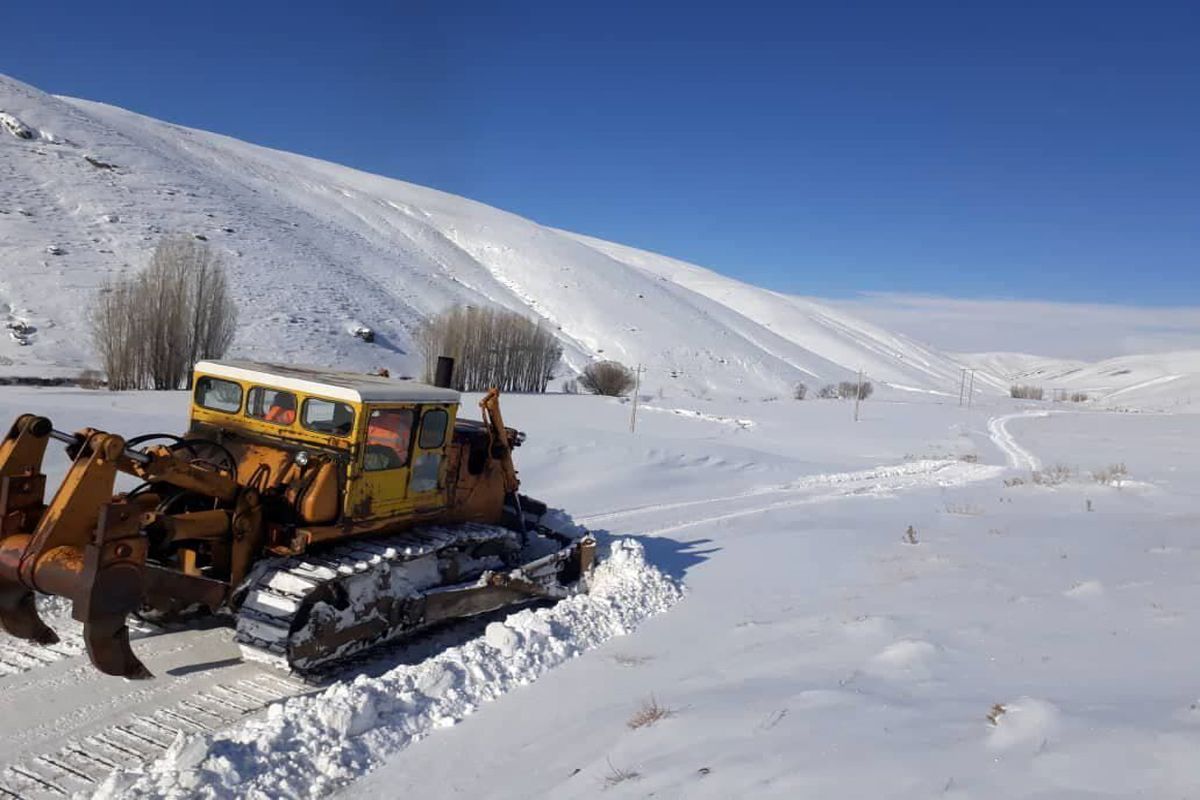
x=277 y=594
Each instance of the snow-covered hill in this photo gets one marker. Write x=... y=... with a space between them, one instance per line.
x=1160 y=381
x=315 y=249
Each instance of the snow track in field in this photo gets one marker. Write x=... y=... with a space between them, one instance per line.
x=1017 y=455
x=17 y=655
x=66 y=726
x=80 y=765
x=882 y=480
x=309 y=746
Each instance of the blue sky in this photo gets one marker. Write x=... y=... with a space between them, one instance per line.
x=978 y=150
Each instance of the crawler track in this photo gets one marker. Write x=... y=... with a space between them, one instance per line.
x=308 y=612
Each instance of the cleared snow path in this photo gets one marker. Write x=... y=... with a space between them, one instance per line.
x=66 y=726
x=1017 y=455
x=309 y=746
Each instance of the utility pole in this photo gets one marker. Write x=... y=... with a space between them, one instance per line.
x=962 y=384
x=971 y=391
x=858 y=390
x=637 y=386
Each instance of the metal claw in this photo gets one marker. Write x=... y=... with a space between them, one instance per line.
x=107 y=641
x=19 y=615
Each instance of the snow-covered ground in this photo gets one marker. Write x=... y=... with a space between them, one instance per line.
x=992 y=601
x=1155 y=381
x=893 y=607
x=316 y=250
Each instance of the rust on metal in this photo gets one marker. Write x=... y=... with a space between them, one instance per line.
x=238 y=490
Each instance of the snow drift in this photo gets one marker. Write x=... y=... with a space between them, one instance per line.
x=308 y=746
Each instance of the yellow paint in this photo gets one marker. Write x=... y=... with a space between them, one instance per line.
x=369 y=495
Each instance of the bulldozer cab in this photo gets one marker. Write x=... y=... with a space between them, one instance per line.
x=381 y=442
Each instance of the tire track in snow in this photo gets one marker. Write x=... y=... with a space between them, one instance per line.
x=1017 y=456
x=882 y=480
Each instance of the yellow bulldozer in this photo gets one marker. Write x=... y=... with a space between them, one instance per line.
x=322 y=512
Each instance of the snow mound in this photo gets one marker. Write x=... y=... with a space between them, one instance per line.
x=309 y=746
x=907 y=659
x=1029 y=724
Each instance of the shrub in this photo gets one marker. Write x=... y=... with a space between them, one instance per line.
x=649 y=713
x=1022 y=392
x=617 y=775
x=1112 y=475
x=828 y=392
x=570 y=387
x=848 y=389
x=1079 y=397
x=800 y=392
x=90 y=379
x=609 y=378
x=1052 y=476
x=150 y=328
x=490 y=347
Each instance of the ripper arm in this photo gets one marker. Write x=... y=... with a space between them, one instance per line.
x=87 y=544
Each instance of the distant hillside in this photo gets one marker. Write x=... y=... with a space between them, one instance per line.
x=1163 y=381
x=316 y=249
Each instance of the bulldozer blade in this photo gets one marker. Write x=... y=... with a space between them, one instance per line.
x=107 y=642
x=19 y=616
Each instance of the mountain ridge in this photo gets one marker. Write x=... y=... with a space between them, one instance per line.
x=315 y=249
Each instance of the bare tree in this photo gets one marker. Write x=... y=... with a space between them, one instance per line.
x=610 y=378
x=150 y=328
x=848 y=389
x=491 y=347
x=1025 y=392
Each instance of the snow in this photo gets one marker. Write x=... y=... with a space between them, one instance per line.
x=316 y=250
x=1156 y=382
x=826 y=608
x=763 y=589
x=309 y=745
x=1017 y=455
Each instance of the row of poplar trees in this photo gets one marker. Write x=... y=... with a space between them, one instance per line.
x=150 y=328
x=490 y=347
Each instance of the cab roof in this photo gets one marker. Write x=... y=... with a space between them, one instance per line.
x=353 y=387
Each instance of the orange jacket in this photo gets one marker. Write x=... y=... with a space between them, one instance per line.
x=391 y=430
x=280 y=415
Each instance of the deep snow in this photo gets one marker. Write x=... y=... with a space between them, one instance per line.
x=815 y=651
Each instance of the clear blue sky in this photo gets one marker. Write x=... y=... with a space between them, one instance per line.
x=1004 y=149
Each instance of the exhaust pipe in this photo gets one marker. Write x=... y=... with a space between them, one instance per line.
x=443 y=377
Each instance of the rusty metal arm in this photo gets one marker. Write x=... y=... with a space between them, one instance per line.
x=500 y=448
x=87 y=545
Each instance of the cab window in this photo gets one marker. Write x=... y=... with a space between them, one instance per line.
x=433 y=428
x=218 y=395
x=271 y=405
x=327 y=416
x=388 y=435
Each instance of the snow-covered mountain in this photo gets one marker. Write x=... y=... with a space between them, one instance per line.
x=315 y=249
x=1161 y=381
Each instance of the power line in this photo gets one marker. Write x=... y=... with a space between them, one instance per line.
x=637 y=386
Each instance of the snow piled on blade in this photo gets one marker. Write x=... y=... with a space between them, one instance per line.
x=309 y=746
